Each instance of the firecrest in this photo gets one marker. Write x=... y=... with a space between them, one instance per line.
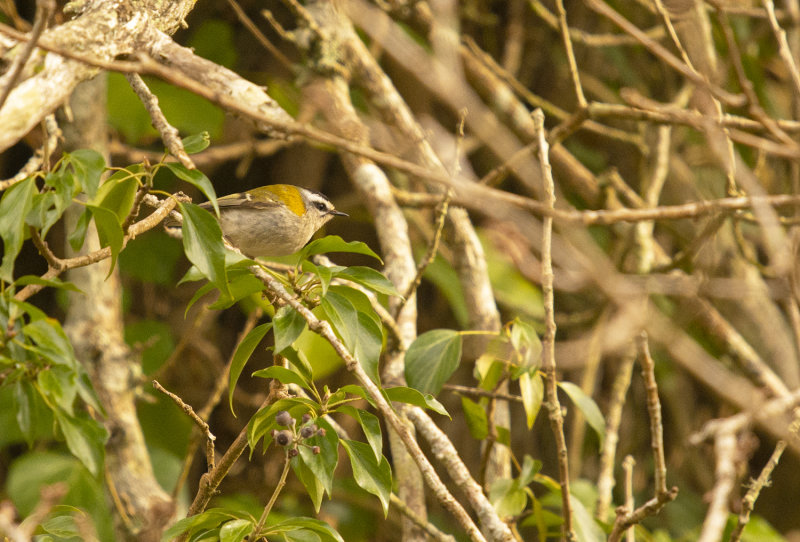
x=272 y=220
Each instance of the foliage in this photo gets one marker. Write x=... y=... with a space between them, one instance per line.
x=320 y=464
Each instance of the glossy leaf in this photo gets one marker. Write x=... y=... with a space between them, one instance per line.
x=243 y=352
x=202 y=242
x=283 y=375
x=235 y=530
x=323 y=464
x=334 y=243
x=431 y=359
x=404 y=394
x=117 y=194
x=109 y=231
x=354 y=320
x=196 y=178
x=373 y=476
x=289 y=324
x=302 y=526
x=369 y=278
x=370 y=425
x=310 y=481
x=52 y=283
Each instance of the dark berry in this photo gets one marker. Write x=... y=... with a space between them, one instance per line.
x=283 y=438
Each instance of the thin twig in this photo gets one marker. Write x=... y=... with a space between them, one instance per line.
x=605 y=480
x=749 y=500
x=169 y=134
x=201 y=423
x=654 y=412
x=278 y=487
x=430 y=255
x=573 y=64
x=548 y=343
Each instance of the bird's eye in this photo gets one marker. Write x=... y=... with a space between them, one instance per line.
x=321 y=206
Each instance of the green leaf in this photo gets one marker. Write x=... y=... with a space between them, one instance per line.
x=85 y=439
x=369 y=278
x=304 y=525
x=289 y=324
x=242 y=354
x=52 y=283
x=431 y=359
x=586 y=527
x=588 y=407
x=373 y=476
x=14 y=207
x=531 y=389
x=404 y=394
x=202 y=242
x=109 y=231
x=61 y=526
x=369 y=424
x=88 y=166
x=310 y=481
x=235 y=530
x=196 y=178
x=323 y=464
x=323 y=273
x=58 y=384
x=354 y=320
x=530 y=468
x=283 y=375
x=526 y=344
x=210 y=519
x=25 y=409
x=118 y=194
x=507 y=497
x=196 y=142
x=334 y=243
x=78 y=235
x=475 y=415
x=52 y=342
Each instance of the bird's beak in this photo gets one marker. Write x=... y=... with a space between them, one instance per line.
x=337 y=213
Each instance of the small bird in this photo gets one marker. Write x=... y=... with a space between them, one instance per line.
x=272 y=220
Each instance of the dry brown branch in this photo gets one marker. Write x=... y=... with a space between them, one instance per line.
x=548 y=342
x=749 y=500
x=169 y=134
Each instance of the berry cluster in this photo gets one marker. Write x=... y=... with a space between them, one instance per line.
x=291 y=437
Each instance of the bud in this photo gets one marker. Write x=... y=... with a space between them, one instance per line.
x=306 y=417
x=307 y=431
x=315 y=450
x=293 y=452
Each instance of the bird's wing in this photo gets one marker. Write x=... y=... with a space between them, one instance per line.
x=243 y=200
